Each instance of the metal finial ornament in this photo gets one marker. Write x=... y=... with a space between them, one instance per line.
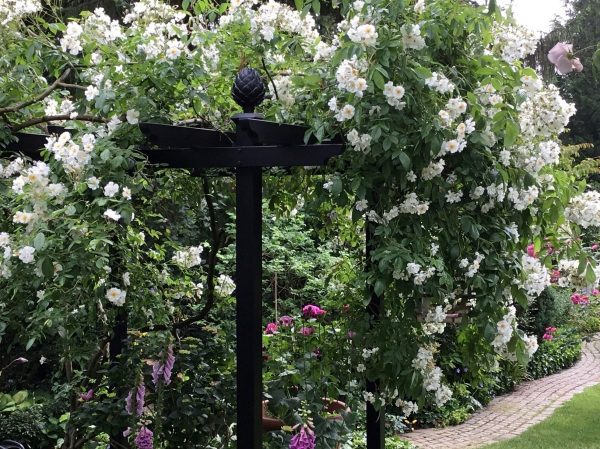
x=248 y=89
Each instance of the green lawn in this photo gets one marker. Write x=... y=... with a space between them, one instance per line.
x=575 y=425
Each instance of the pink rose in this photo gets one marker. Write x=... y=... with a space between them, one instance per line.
x=271 y=328
x=531 y=250
x=561 y=55
x=312 y=311
x=286 y=321
x=307 y=330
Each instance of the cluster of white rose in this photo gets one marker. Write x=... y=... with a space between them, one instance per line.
x=412 y=205
x=523 y=198
x=393 y=95
x=432 y=376
x=15 y=10
x=359 y=142
x=536 y=276
x=342 y=114
x=270 y=17
x=584 y=209
x=569 y=275
x=505 y=330
x=440 y=83
x=513 y=42
x=411 y=37
x=365 y=34
x=188 y=257
x=471 y=268
x=281 y=89
x=435 y=168
x=419 y=275
x=544 y=113
x=225 y=285
x=348 y=76
x=434 y=322
x=74 y=157
x=533 y=157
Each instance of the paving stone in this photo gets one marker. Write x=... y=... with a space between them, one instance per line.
x=511 y=414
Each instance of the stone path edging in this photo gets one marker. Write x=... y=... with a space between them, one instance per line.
x=511 y=414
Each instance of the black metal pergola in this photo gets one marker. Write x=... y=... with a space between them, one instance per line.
x=255 y=144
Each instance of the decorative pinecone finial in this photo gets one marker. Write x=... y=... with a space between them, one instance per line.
x=248 y=89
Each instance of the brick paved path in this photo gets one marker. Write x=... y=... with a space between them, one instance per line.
x=509 y=415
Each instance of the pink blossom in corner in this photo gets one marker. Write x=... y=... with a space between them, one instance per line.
x=286 y=320
x=595 y=246
x=531 y=250
x=307 y=330
x=595 y=292
x=554 y=276
x=312 y=311
x=305 y=439
x=271 y=328
x=561 y=55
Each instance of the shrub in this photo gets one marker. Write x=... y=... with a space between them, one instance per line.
x=562 y=351
x=25 y=426
x=551 y=308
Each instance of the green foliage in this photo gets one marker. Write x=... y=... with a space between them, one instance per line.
x=553 y=355
x=17 y=401
x=26 y=426
x=552 y=308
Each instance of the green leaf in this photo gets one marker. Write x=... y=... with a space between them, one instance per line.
x=404 y=160
x=30 y=343
x=378 y=80
x=105 y=155
x=511 y=132
x=39 y=241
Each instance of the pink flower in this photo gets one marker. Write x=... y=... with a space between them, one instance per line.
x=595 y=292
x=144 y=438
x=578 y=299
x=307 y=330
x=84 y=397
x=350 y=335
x=305 y=439
x=286 y=321
x=128 y=400
x=595 y=246
x=549 y=248
x=271 y=328
x=157 y=372
x=312 y=311
x=554 y=276
x=531 y=250
x=548 y=337
x=561 y=55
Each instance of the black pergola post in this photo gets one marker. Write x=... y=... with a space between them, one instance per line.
x=248 y=295
x=375 y=419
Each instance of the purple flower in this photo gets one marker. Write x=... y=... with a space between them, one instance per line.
x=157 y=372
x=305 y=439
x=139 y=399
x=168 y=367
x=87 y=395
x=128 y=407
x=144 y=438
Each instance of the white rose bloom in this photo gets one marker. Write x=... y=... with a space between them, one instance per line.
x=116 y=296
x=26 y=254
